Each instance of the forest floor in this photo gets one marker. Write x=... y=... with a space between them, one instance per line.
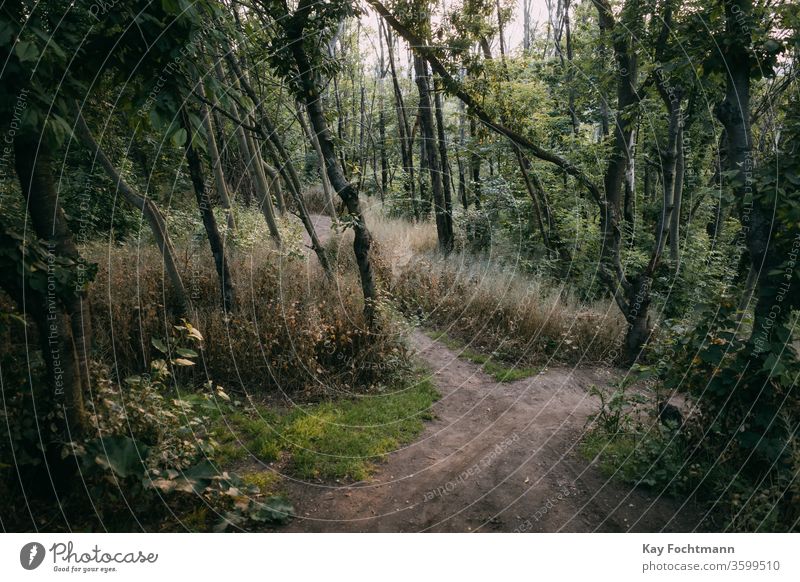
x=498 y=456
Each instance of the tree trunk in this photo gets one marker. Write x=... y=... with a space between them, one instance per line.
x=637 y=317
x=323 y=175
x=65 y=335
x=406 y=145
x=382 y=114
x=619 y=161
x=630 y=183
x=677 y=199
x=209 y=222
x=440 y=130
x=263 y=189
x=444 y=224
x=462 y=185
x=362 y=239
x=537 y=208
x=216 y=162
x=669 y=161
x=150 y=211
x=734 y=113
x=474 y=162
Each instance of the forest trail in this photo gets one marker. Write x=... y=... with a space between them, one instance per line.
x=496 y=457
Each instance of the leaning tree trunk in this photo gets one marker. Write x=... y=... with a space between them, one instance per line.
x=284 y=162
x=216 y=161
x=330 y=207
x=362 y=239
x=149 y=210
x=65 y=334
x=262 y=187
x=209 y=222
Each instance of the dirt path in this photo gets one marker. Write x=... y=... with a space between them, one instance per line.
x=497 y=457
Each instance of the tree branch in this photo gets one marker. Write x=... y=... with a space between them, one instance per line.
x=455 y=88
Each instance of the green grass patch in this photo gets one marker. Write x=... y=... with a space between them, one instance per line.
x=500 y=371
x=329 y=440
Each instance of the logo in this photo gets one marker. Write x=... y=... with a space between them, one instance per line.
x=31 y=555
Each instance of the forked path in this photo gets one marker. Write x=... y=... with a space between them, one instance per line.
x=497 y=457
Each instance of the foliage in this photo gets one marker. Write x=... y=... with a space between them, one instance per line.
x=335 y=439
x=151 y=456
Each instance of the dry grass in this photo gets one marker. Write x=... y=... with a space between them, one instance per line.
x=293 y=333
x=481 y=302
x=505 y=312
x=315 y=200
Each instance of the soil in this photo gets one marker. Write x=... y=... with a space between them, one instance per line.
x=497 y=457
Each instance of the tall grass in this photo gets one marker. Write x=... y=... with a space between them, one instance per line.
x=294 y=333
x=484 y=300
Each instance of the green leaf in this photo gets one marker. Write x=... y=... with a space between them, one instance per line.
x=273 y=509
x=26 y=51
x=186 y=352
x=159 y=345
x=120 y=454
x=6 y=33
x=179 y=138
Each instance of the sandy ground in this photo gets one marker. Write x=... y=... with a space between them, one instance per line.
x=497 y=457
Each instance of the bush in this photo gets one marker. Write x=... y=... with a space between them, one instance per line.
x=737 y=452
x=146 y=463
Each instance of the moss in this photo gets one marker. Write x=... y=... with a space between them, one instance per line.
x=329 y=440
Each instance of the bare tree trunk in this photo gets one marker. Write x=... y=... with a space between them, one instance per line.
x=272 y=141
x=570 y=72
x=209 y=222
x=285 y=167
x=669 y=160
x=444 y=224
x=65 y=335
x=442 y=139
x=734 y=113
x=677 y=199
x=150 y=211
x=262 y=187
x=462 y=178
x=526 y=25
x=216 y=162
x=475 y=162
x=630 y=182
x=323 y=175
x=362 y=239
x=406 y=145
x=537 y=210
